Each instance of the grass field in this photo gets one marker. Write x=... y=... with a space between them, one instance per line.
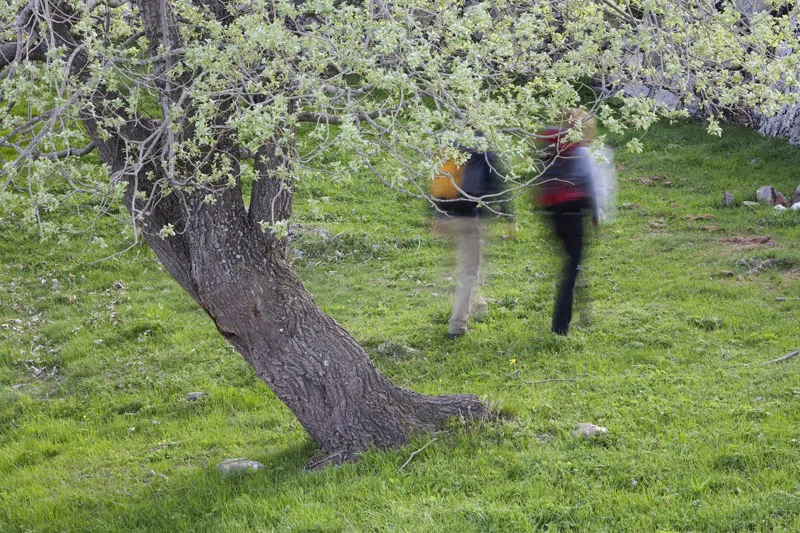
x=96 y=359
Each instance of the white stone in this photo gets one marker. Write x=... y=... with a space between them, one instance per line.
x=780 y=208
x=230 y=466
x=796 y=207
x=589 y=430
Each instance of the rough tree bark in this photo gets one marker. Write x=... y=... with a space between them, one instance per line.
x=786 y=123
x=240 y=274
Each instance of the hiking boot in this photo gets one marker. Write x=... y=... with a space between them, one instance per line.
x=455 y=335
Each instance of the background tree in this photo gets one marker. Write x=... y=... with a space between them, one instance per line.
x=205 y=114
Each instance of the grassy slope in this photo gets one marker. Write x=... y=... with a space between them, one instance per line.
x=697 y=441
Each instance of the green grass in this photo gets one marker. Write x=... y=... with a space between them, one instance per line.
x=697 y=441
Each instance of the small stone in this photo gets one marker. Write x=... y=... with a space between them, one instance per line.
x=230 y=466
x=780 y=207
x=194 y=396
x=766 y=195
x=588 y=430
x=756 y=161
x=728 y=200
x=749 y=203
x=796 y=206
x=796 y=195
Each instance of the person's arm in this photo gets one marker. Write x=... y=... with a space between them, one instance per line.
x=586 y=168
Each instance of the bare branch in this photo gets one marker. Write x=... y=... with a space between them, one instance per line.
x=323 y=118
x=410 y=457
x=69 y=152
x=618 y=11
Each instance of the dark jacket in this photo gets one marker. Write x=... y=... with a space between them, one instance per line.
x=483 y=178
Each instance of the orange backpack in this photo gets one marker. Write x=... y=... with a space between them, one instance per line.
x=444 y=182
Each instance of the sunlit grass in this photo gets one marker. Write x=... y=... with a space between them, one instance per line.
x=96 y=359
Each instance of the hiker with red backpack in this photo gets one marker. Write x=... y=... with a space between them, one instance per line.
x=567 y=194
x=464 y=193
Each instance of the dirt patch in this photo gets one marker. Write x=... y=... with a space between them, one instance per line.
x=692 y=218
x=741 y=243
x=793 y=274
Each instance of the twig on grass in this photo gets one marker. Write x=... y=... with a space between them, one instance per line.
x=778 y=360
x=416 y=452
x=328 y=458
x=515 y=373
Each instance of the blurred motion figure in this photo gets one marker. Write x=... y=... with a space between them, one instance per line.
x=464 y=194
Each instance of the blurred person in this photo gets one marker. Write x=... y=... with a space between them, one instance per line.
x=568 y=196
x=457 y=190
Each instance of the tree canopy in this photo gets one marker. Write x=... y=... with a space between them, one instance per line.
x=373 y=85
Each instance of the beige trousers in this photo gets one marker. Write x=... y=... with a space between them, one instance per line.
x=469 y=235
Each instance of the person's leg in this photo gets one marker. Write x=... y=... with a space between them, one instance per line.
x=469 y=233
x=569 y=229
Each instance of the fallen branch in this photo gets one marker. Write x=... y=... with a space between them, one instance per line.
x=325 y=460
x=778 y=360
x=415 y=453
x=515 y=373
x=555 y=379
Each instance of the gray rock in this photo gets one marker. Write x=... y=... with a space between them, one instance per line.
x=671 y=100
x=637 y=89
x=796 y=195
x=749 y=8
x=796 y=206
x=194 y=396
x=785 y=123
x=588 y=430
x=766 y=195
x=749 y=203
x=728 y=200
x=780 y=207
x=756 y=161
x=230 y=466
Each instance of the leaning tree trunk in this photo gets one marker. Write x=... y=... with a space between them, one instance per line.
x=310 y=362
x=239 y=273
x=241 y=277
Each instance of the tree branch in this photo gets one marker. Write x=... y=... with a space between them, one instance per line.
x=308 y=116
x=69 y=152
x=618 y=11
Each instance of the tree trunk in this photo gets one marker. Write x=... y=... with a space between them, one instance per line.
x=242 y=279
x=311 y=363
x=239 y=273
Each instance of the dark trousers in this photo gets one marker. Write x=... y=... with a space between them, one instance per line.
x=568 y=221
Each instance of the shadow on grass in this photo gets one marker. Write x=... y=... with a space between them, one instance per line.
x=205 y=500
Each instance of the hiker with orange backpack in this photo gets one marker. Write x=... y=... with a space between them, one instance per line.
x=464 y=193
